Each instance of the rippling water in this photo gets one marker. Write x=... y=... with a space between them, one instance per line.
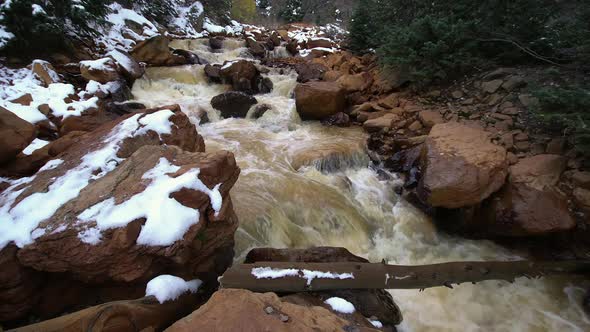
x=303 y=185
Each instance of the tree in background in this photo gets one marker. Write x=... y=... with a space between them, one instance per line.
x=293 y=11
x=50 y=25
x=243 y=10
x=439 y=39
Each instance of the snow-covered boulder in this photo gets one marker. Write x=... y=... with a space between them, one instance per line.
x=45 y=72
x=102 y=70
x=135 y=198
x=130 y=68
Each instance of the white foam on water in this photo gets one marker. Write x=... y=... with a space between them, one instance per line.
x=283 y=204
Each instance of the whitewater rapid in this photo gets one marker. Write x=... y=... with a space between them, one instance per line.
x=304 y=185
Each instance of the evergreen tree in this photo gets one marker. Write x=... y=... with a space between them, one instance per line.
x=293 y=11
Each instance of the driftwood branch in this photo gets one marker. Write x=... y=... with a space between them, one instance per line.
x=382 y=276
x=524 y=49
x=132 y=315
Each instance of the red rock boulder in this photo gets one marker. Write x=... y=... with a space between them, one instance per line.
x=135 y=198
x=462 y=167
x=319 y=100
x=15 y=135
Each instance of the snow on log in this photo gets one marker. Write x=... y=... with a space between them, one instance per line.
x=294 y=276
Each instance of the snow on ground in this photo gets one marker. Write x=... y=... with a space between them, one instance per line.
x=182 y=23
x=270 y=273
x=15 y=83
x=169 y=288
x=117 y=34
x=340 y=305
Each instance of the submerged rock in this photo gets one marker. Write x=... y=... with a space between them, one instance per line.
x=260 y=110
x=233 y=104
x=216 y=43
x=319 y=100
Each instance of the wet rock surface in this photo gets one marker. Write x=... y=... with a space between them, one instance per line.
x=319 y=100
x=233 y=104
x=462 y=166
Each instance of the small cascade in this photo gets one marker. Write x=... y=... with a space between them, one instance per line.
x=278 y=52
x=304 y=184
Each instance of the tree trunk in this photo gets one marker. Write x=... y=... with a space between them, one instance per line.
x=382 y=276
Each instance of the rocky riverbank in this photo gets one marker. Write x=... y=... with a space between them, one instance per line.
x=101 y=195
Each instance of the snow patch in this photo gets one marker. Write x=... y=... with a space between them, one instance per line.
x=35 y=145
x=340 y=305
x=159 y=229
x=376 y=323
x=100 y=64
x=16 y=83
x=169 y=288
x=270 y=273
x=310 y=275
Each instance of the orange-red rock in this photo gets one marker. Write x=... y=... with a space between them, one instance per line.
x=319 y=100
x=462 y=166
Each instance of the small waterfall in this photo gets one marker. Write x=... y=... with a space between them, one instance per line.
x=278 y=52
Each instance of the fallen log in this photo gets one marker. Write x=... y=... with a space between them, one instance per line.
x=133 y=315
x=301 y=277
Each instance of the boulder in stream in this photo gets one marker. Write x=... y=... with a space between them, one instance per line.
x=233 y=104
x=462 y=166
x=319 y=100
x=243 y=76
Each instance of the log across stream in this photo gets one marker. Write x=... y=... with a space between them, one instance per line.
x=301 y=277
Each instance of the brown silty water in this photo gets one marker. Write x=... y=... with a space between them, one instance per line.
x=303 y=184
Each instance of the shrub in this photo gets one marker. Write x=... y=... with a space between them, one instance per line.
x=566 y=108
x=243 y=10
x=45 y=26
x=441 y=39
x=293 y=11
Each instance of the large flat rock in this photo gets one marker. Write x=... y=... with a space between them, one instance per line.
x=462 y=167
